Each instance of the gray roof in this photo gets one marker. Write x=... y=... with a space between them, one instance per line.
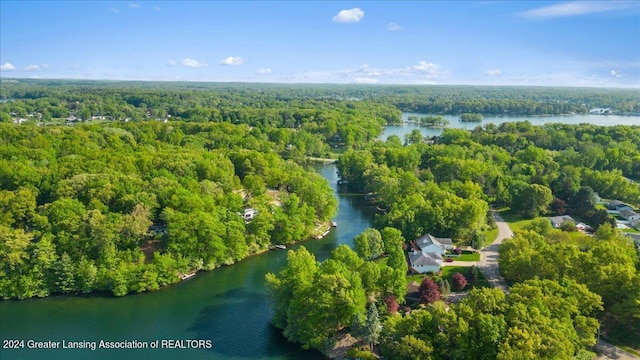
x=634 y=237
x=428 y=239
x=616 y=204
x=445 y=241
x=420 y=259
x=627 y=212
x=558 y=220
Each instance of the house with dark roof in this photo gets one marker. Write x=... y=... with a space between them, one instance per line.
x=556 y=221
x=616 y=205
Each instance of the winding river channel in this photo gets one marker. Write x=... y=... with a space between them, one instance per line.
x=227 y=306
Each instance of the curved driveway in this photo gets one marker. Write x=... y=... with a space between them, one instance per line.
x=488 y=263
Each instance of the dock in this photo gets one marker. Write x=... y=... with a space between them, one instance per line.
x=187 y=276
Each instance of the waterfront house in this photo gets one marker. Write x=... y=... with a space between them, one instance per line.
x=431 y=244
x=249 y=214
x=424 y=263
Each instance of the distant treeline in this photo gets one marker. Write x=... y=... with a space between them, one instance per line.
x=292 y=105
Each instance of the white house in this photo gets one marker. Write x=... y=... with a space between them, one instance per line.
x=429 y=258
x=424 y=263
x=628 y=214
x=249 y=214
x=431 y=244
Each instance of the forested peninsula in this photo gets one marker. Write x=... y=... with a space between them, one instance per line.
x=565 y=285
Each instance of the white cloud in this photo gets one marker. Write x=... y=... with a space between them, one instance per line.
x=191 y=63
x=157 y=8
x=422 y=72
x=7 y=67
x=349 y=16
x=575 y=8
x=361 y=80
x=232 y=61
x=393 y=27
x=424 y=66
x=36 y=67
x=423 y=69
x=172 y=63
x=615 y=73
x=493 y=72
x=134 y=6
x=263 y=71
x=113 y=10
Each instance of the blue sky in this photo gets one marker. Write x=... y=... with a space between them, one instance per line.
x=551 y=43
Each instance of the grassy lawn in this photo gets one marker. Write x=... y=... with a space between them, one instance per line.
x=515 y=220
x=490 y=236
x=466 y=257
x=447 y=273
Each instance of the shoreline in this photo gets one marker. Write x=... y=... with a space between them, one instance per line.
x=183 y=276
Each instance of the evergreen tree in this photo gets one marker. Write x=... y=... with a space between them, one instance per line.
x=474 y=276
x=372 y=326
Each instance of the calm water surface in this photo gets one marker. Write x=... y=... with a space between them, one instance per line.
x=229 y=306
x=609 y=120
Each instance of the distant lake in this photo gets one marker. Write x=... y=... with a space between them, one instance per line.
x=603 y=120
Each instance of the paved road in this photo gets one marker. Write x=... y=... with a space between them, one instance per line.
x=488 y=263
x=608 y=351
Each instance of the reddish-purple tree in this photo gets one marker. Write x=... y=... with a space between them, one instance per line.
x=429 y=291
x=392 y=304
x=457 y=250
x=558 y=206
x=459 y=281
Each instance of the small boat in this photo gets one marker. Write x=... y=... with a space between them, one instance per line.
x=334 y=224
x=280 y=246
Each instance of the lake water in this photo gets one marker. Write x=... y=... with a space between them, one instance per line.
x=228 y=306
x=602 y=120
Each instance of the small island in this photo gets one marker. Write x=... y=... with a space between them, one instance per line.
x=471 y=117
x=428 y=121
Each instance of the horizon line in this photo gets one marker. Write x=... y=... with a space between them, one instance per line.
x=630 y=87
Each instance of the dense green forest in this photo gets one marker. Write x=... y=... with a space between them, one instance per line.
x=294 y=105
x=129 y=207
x=445 y=188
